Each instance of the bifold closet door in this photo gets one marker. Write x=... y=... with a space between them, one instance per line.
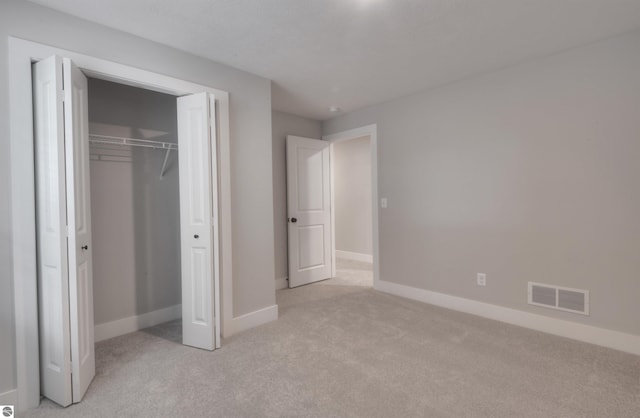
x=198 y=220
x=65 y=294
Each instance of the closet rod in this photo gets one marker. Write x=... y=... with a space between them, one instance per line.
x=134 y=142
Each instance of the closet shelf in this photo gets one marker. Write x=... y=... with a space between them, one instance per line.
x=135 y=142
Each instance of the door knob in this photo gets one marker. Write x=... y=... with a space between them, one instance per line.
x=196 y=236
x=294 y=220
x=85 y=247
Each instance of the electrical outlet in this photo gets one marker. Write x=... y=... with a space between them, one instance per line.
x=383 y=202
x=482 y=279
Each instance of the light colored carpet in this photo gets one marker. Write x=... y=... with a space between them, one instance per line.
x=352 y=273
x=350 y=351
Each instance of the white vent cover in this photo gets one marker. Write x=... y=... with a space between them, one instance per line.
x=561 y=298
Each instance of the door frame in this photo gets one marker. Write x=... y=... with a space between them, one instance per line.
x=372 y=132
x=21 y=55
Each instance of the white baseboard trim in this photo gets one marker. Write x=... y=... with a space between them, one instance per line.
x=600 y=336
x=135 y=323
x=367 y=258
x=282 y=283
x=9 y=398
x=254 y=319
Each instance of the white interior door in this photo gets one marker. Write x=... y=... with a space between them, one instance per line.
x=51 y=213
x=309 y=210
x=64 y=230
x=198 y=220
x=76 y=117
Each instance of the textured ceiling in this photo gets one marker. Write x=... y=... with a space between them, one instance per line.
x=354 y=53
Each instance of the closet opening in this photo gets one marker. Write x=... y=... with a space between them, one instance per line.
x=125 y=242
x=135 y=210
x=48 y=99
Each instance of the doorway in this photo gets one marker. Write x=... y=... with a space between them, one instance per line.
x=311 y=207
x=357 y=259
x=21 y=55
x=353 y=219
x=64 y=132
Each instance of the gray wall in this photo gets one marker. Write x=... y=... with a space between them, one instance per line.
x=284 y=124
x=526 y=174
x=352 y=182
x=251 y=172
x=135 y=214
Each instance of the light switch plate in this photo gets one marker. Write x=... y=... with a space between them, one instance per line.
x=481 y=279
x=383 y=202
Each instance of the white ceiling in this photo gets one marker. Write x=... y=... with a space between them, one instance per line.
x=354 y=53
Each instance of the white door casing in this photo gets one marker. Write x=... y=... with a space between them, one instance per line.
x=63 y=230
x=196 y=141
x=309 y=210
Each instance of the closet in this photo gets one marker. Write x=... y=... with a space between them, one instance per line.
x=135 y=202
x=126 y=216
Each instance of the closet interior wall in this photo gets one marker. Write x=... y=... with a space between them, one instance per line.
x=135 y=212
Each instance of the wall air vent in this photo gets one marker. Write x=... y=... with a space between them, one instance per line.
x=560 y=298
